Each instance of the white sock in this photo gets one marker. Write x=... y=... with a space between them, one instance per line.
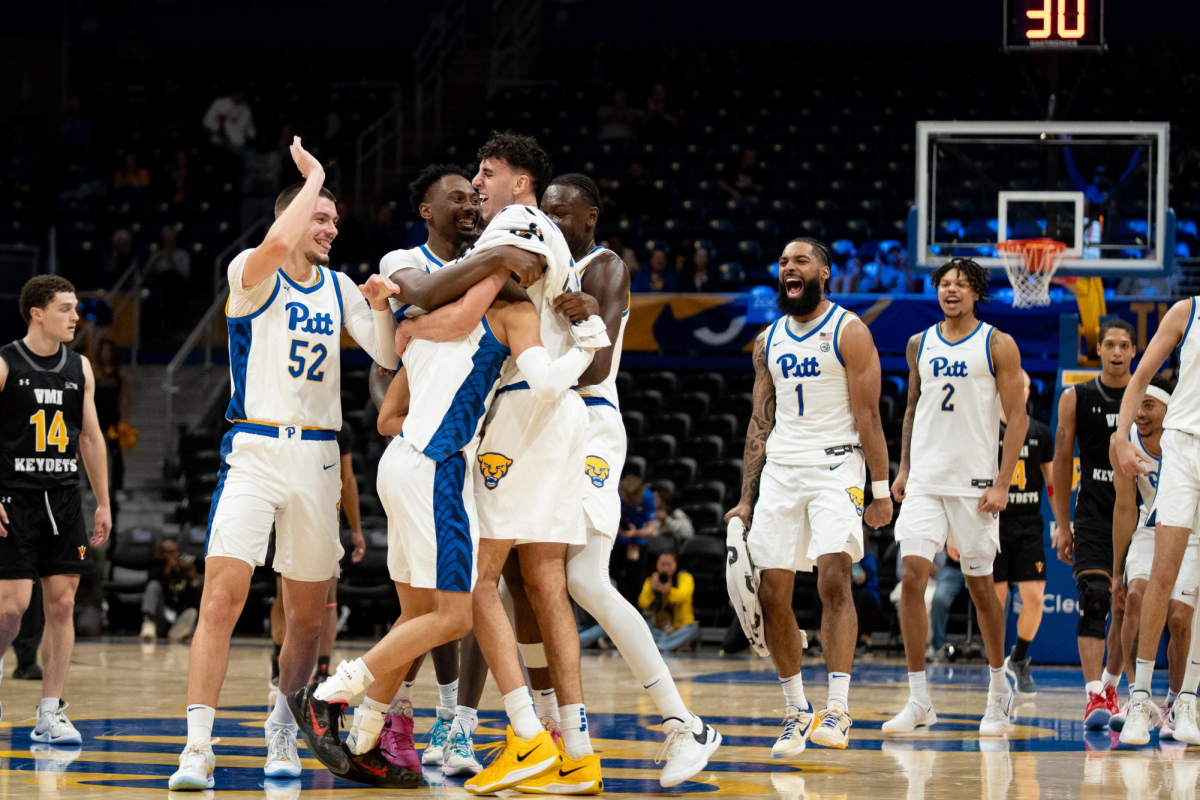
x=1108 y=679
x=200 y=724
x=467 y=718
x=50 y=704
x=839 y=689
x=404 y=693
x=280 y=716
x=545 y=703
x=918 y=689
x=351 y=679
x=665 y=696
x=997 y=682
x=1094 y=687
x=793 y=692
x=1191 y=676
x=519 y=707
x=447 y=699
x=1171 y=695
x=576 y=741
x=1143 y=676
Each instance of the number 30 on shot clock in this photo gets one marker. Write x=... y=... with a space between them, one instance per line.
x=1054 y=25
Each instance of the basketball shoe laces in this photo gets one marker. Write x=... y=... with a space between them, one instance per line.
x=789 y=724
x=460 y=744
x=674 y=744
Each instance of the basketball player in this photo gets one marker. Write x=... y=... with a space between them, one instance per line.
x=962 y=374
x=814 y=427
x=1133 y=550
x=1090 y=409
x=1175 y=507
x=286 y=312
x=1022 y=556
x=47 y=424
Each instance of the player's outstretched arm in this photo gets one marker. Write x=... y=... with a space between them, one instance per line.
x=285 y=233
x=395 y=406
x=862 y=377
x=912 y=351
x=547 y=379
x=762 y=422
x=1064 y=475
x=1010 y=385
x=95 y=457
x=607 y=280
x=1129 y=460
x=432 y=291
x=458 y=318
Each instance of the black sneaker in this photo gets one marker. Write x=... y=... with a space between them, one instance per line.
x=318 y=723
x=373 y=769
x=28 y=672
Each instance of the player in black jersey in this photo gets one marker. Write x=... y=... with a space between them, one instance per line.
x=1022 y=556
x=47 y=423
x=1091 y=409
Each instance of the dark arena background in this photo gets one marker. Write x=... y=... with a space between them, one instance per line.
x=143 y=144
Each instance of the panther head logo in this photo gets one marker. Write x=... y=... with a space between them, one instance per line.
x=493 y=467
x=596 y=469
x=856 y=497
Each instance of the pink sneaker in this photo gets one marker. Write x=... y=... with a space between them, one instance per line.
x=396 y=742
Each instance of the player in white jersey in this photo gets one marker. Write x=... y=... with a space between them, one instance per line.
x=962 y=371
x=1177 y=502
x=1133 y=548
x=814 y=431
x=286 y=312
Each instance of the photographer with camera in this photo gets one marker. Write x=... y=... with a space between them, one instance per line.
x=172 y=595
x=667 y=595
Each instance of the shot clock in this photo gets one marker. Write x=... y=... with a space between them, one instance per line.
x=1054 y=25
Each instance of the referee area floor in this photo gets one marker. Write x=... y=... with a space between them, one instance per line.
x=128 y=700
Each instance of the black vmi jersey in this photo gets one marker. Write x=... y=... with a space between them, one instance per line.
x=41 y=413
x=1096 y=409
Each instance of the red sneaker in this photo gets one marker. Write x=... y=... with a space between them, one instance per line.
x=396 y=742
x=1100 y=709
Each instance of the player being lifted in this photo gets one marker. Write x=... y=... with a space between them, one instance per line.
x=285 y=314
x=814 y=430
x=961 y=372
x=1175 y=508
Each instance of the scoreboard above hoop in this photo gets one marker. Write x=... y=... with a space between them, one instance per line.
x=1054 y=25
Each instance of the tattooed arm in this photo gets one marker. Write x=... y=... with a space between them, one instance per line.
x=910 y=415
x=762 y=421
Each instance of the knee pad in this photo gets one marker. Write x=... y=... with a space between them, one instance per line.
x=1095 y=601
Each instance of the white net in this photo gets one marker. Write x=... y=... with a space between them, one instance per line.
x=1031 y=264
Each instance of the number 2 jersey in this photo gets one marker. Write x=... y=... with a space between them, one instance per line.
x=955 y=437
x=41 y=413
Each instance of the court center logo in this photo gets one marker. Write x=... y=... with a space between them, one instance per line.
x=597 y=470
x=856 y=497
x=493 y=467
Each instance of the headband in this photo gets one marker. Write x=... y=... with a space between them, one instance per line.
x=1158 y=394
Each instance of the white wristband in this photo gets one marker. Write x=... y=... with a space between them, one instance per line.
x=880 y=489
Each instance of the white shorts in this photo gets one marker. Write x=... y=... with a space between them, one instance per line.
x=528 y=466
x=602 y=467
x=806 y=512
x=1141 y=555
x=1178 y=497
x=286 y=478
x=433 y=531
x=927 y=523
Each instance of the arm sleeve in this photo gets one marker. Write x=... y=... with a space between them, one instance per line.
x=375 y=331
x=547 y=380
x=243 y=300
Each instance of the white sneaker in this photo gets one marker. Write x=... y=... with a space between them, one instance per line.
x=1138 y=722
x=435 y=751
x=1185 y=727
x=912 y=716
x=196 y=764
x=283 y=761
x=797 y=727
x=458 y=757
x=833 y=728
x=686 y=751
x=55 y=728
x=185 y=625
x=996 y=719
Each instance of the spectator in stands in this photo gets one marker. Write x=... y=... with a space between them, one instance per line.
x=696 y=277
x=638 y=517
x=170 y=264
x=172 y=596
x=667 y=595
x=672 y=521
x=844 y=280
x=658 y=123
x=864 y=588
x=112 y=410
x=744 y=179
x=229 y=121
x=132 y=177
x=658 y=278
x=120 y=256
x=884 y=274
x=619 y=121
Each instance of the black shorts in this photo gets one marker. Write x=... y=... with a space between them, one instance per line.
x=1093 y=550
x=1022 y=555
x=46 y=535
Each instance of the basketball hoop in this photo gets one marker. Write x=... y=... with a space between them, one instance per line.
x=1031 y=264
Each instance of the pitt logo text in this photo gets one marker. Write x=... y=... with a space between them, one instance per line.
x=792 y=367
x=298 y=313
x=943 y=368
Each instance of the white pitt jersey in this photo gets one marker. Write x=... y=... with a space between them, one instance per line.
x=606 y=390
x=421 y=258
x=1183 y=414
x=1147 y=485
x=285 y=357
x=451 y=384
x=956 y=433
x=813 y=423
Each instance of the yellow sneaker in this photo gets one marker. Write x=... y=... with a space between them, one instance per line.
x=521 y=760
x=573 y=776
